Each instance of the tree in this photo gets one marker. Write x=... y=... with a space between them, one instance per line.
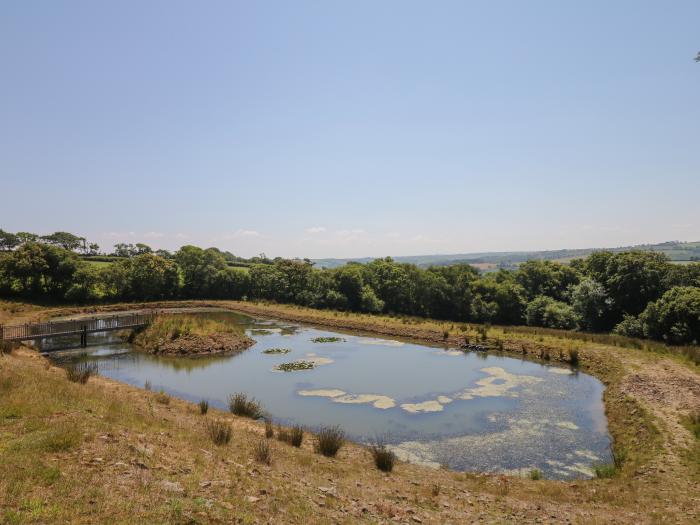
x=550 y=313
x=369 y=302
x=675 y=317
x=65 y=240
x=631 y=279
x=546 y=278
x=349 y=281
x=592 y=305
x=8 y=241
x=25 y=237
x=199 y=269
x=41 y=270
x=232 y=283
x=148 y=277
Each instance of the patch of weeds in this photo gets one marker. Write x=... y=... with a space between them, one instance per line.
x=262 y=451
x=384 y=458
x=240 y=405
x=296 y=436
x=294 y=366
x=162 y=398
x=269 y=430
x=535 y=474
x=604 y=470
x=327 y=340
x=203 y=406
x=276 y=351
x=219 y=431
x=81 y=372
x=573 y=356
x=329 y=440
x=435 y=490
x=692 y=422
x=7 y=347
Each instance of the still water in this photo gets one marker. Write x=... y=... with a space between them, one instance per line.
x=434 y=405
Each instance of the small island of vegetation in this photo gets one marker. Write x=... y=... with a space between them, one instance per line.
x=190 y=335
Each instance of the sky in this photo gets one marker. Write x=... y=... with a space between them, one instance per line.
x=348 y=129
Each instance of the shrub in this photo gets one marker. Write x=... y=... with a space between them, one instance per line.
x=162 y=398
x=218 y=431
x=535 y=474
x=7 y=347
x=203 y=406
x=283 y=434
x=329 y=440
x=263 y=452
x=81 y=372
x=604 y=470
x=296 y=436
x=384 y=458
x=240 y=405
x=573 y=356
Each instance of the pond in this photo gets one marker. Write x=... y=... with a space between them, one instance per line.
x=438 y=406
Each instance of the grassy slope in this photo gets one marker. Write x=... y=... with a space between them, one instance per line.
x=101 y=452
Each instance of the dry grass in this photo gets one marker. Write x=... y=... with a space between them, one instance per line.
x=81 y=372
x=218 y=431
x=262 y=452
x=384 y=458
x=99 y=453
x=203 y=406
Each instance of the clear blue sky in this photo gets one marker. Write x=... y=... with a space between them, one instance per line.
x=352 y=128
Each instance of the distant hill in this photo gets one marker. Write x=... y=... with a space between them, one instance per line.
x=676 y=251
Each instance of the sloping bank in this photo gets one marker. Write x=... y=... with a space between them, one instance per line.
x=648 y=395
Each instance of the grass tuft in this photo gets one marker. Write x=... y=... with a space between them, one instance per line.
x=329 y=440
x=269 y=430
x=219 y=431
x=163 y=398
x=240 y=405
x=203 y=406
x=81 y=372
x=262 y=451
x=384 y=458
x=535 y=474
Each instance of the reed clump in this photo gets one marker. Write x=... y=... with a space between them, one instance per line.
x=219 y=431
x=262 y=451
x=329 y=440
x=384 y=458
x=241 y=405
x=81 y=372
x=203 y=406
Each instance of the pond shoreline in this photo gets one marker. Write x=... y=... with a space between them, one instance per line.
x=647 y=396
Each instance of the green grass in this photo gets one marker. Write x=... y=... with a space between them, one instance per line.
x=171 y=327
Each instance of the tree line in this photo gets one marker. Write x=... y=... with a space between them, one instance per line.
x=635 y=293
